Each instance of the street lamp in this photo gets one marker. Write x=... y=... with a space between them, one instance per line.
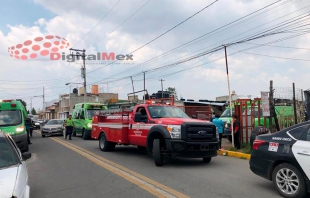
x=70 y=94
x=43 y=105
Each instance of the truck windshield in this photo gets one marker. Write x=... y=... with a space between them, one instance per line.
x=7 y=156
x=91 y=112
x=226 y=113
x=55 y=122
x=255 y=113
x=10 y=117
x=166 y=112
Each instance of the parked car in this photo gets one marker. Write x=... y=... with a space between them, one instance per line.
x=53 y=127
x=284 y=158
x=13 y=170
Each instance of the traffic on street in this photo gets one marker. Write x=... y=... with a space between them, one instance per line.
x=145 y=98
x=77 y=168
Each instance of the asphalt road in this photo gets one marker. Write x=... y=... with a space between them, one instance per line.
x=56 y=170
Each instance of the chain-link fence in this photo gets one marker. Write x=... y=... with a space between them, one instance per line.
x=284 y=105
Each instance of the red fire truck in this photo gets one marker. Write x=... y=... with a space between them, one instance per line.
x=163 y=129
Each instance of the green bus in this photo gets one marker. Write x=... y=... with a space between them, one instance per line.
x=13 y=114
x=82 y=116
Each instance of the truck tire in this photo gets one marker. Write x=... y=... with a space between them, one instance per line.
x=207 y=159
x=158 y=157
x=26 y=149
x=73 y=133
x=105 y=145
x=84 y=136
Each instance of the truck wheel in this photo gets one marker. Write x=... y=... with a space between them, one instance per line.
x=73 y=133
x=43 y=136
x=26 y=149
x=207 y=159
x=105 y=145
x=158 y=157
x=84 y=136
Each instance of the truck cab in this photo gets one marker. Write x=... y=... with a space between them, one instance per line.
x=82 y=118
x=164 y=130
x=12 y=121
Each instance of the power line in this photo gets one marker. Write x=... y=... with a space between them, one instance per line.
x=195 y=39
x=97 y=23
x=161 y=34
x=123 y=22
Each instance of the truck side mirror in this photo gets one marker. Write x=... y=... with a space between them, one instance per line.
x=137 y=117
x=194 y=116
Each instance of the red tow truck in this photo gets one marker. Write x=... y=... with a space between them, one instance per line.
x=163 y=129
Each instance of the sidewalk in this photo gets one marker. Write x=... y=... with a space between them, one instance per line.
x=226 y=145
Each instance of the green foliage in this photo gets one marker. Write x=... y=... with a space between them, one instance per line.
x=172 y=91
x=33 y=111
x=245 y=148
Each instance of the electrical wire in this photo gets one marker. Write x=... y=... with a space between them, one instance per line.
x=122 y=23
x=98 y=23
x=197 y=38
x=160 y=35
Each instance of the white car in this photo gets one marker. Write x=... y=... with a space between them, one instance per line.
x=13 y=170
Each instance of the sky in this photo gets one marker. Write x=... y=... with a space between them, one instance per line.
x=179 y=42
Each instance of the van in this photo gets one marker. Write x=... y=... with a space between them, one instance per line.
x=13 y=114
x=82 y=116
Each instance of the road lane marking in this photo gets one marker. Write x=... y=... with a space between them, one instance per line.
x=146 y=183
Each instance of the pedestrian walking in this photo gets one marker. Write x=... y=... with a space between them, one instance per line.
x=220 y=127
x=236 y=131
x=69 y=127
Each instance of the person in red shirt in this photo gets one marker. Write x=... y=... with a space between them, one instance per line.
x=236 y=131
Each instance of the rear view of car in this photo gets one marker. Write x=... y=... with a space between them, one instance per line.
x=284 y=158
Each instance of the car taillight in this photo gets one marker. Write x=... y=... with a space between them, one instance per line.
x=13 y=105
x=257 y=143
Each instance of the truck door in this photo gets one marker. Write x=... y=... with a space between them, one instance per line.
x=139 y=129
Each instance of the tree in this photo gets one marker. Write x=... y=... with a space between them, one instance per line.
x=33 y=111
x=172 y=91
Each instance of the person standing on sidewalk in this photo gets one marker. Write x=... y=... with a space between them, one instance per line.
x=220 y=127
x=236 y=131
x=69 y=127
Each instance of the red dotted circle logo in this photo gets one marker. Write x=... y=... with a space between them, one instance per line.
x=39 y=46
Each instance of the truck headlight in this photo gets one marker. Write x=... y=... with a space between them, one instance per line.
x=20 y=129
x=226 y=125
x=217 y=133
x=175 y=131
x=89 y=125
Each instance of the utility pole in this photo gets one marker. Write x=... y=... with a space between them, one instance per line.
x=43 y=111
x=272 y=110
x=133 y=89
x=162 y=88
x=143 y=87
x=108 y=91
x=77 y=51
x=30 y=104
x=294 y=103
x=230 y=103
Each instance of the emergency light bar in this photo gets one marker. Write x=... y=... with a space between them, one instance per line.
x=6 y=100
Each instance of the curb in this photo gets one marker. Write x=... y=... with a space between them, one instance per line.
x=234 y=154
